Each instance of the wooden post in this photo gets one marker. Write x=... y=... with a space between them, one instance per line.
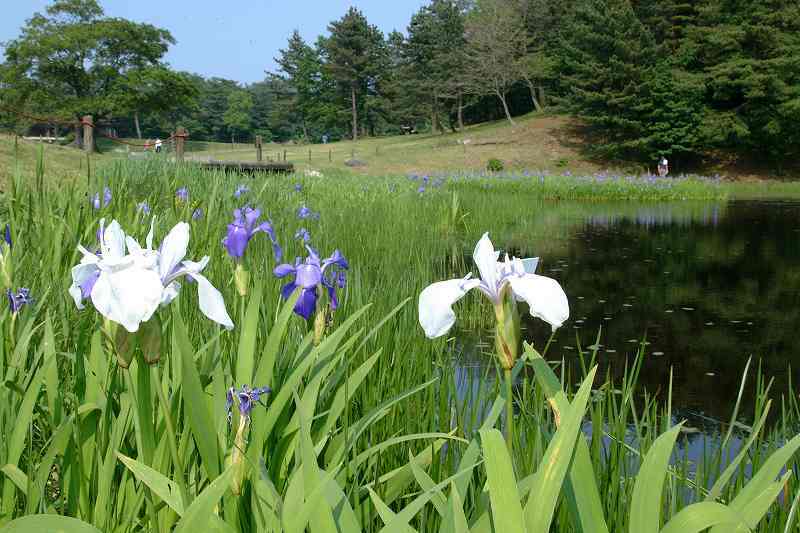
x=330 y=155
x=284 y=154
x=258 y=148
x=309 y=155
x=180 y=140
x=88 y=134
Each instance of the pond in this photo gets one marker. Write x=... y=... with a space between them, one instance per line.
x=706 y=285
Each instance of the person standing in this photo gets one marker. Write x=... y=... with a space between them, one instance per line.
x=158 y=145
x=663 y=166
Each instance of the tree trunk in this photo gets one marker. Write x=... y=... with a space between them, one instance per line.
x=502 y=98
x=460 y=111
x=536 y=105
x=435 y=115
x=136 y=123
x=305 y=130
x=355 y=111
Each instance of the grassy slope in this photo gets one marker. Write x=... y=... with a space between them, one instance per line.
x=60 y=162
x=535 y=143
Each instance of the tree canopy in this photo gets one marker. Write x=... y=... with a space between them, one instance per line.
x=686 y=79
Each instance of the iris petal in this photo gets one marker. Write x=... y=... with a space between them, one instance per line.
x=436 y=302
x=173 y=249
x=486 y=260
x=544 y=296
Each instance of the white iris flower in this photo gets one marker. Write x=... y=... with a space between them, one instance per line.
x=544 y=295
x=128 y=287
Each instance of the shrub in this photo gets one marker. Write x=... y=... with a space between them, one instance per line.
x=494 y=165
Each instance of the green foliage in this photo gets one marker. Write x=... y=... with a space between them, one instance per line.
x=72 y=60
x=237 y=115
x=494 y=165
x=356 y=58
x=607 y=58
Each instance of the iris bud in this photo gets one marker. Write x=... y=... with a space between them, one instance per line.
x=507 y=332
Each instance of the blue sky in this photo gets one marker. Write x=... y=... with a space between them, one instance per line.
x=234 y=39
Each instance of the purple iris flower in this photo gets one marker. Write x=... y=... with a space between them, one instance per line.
x=421 y=189
x=245 y=224
x=246 y=398
x=298 y=187
x=19 y=300
x=143 y=207
x=197 y=214
x=310 y=274
x=107 y=197
x=7 y=236
x=240 y=190
x=182 y=194
x=303 y=234
x=304 y=213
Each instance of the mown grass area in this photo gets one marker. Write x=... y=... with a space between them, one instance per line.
x=540 y=143
x=375 y=426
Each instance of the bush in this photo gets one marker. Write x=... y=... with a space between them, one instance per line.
x=494 y=165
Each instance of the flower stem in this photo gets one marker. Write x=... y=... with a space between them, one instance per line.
x=509 y=413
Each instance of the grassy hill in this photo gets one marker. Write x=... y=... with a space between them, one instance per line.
x=536 y=143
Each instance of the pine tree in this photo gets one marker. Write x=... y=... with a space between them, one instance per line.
x=435 y=56
x=356 y=53
x=302 y=66
x=605 y=59
x=748 y=56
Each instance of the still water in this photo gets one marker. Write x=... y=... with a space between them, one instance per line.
x=706 y=284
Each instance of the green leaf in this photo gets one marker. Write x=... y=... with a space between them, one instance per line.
x=550 y=475
x=164 y=488
x=501 y=483
x=245 y=358
x=17 y=476
x=581 y=488
x=58 y=443
x=386 y=514
x=21 y=424
x=49 y=523
x=645 y=505
x=757 y=507
x=426 y=483
x=200 y=512
x=266 y=366
x=726 y=475
x=701 y=516
x=765 y=477
x=458 y=520
x=194 y=402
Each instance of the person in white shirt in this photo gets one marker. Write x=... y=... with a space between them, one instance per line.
x=158 y=145
x=663 y=166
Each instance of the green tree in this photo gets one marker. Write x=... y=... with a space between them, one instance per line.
x=356 y=53
x=153 y=89
x=71 y=59
x=238 y=115
x=435 y=52
x=606 y=58
x=303 y=69
x=748 y=57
